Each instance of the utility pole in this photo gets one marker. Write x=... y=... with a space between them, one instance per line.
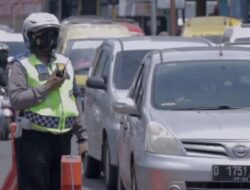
x=173 y=17
x=13 y=13
x=60 y=9
x=98 y=8
x=201 y=7
x=113 y=11
x=153 y=17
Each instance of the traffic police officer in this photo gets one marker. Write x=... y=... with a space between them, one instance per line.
x=42 y=89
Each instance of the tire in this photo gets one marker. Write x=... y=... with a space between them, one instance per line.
x=120 y=185
x=110 y=172
x=133 y=178
x=92 y=167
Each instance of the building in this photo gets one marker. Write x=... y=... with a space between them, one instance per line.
x=12 y=12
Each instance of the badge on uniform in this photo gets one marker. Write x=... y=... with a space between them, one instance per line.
x=43 y=72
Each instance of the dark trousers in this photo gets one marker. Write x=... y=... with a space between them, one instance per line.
x=39 y=158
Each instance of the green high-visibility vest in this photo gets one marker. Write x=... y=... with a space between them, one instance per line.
x=58 y=111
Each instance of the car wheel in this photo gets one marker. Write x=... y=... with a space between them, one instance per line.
x=133 y=179
x=110 y=172
x=120 y=183
x=92 y=167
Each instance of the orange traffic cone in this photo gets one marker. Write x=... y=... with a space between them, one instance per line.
x=11 y=180
x=71 y=172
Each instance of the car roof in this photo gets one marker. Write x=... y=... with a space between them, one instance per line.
x=81 y=19
x=201 y=53
x=156 y=42
x=89 y=30
x=11 y=37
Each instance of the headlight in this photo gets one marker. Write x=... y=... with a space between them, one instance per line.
x=160 y=141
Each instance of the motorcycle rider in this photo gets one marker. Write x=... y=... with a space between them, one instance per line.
x=4 y=53
x=49 y=103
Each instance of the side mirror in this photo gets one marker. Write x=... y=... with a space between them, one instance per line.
x=97 y=83
x=125 y=106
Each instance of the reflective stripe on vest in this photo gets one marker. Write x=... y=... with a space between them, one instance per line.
x=57 y=112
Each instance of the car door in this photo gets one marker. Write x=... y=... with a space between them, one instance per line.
x=94 y=98
x=103 y=99
x=128 y=126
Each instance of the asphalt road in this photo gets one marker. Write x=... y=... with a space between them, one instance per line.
x=5 y=164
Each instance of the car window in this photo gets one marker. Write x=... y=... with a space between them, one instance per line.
x=202 y=84
x=101 y=60
x=106 y=67
x=136 y=88
x=126 y=65
x=82 y=53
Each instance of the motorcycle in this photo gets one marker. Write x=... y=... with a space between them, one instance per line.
x=7 y=115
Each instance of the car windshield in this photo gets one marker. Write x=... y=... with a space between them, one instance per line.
x=216 y=84
x=126 y=65
x=16 y=48
x=81 y=54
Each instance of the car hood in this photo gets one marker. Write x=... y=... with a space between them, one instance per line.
x=223 y=124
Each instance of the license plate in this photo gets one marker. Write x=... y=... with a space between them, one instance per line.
x=231 y=173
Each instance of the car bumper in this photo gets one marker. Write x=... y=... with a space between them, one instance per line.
x=161 y=172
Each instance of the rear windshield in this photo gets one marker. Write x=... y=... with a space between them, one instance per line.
x=81 y=54
x=126 y=65
x=202 y=85
x=16 y=48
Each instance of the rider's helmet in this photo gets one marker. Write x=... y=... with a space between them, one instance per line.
x=4 y=53
x=4 y=47
x=41 y=31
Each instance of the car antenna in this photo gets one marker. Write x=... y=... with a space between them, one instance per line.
x=220 y=45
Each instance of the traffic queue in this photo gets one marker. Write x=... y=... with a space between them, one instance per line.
x=147 y=112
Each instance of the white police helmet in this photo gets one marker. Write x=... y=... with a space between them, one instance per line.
x=36 y=22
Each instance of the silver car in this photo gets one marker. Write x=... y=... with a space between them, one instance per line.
x=114 y=67
x=186 y=121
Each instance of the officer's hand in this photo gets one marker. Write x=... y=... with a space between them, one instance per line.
x=55 y=82
x=82 y=148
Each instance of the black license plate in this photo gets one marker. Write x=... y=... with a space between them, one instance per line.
x=231 y=173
